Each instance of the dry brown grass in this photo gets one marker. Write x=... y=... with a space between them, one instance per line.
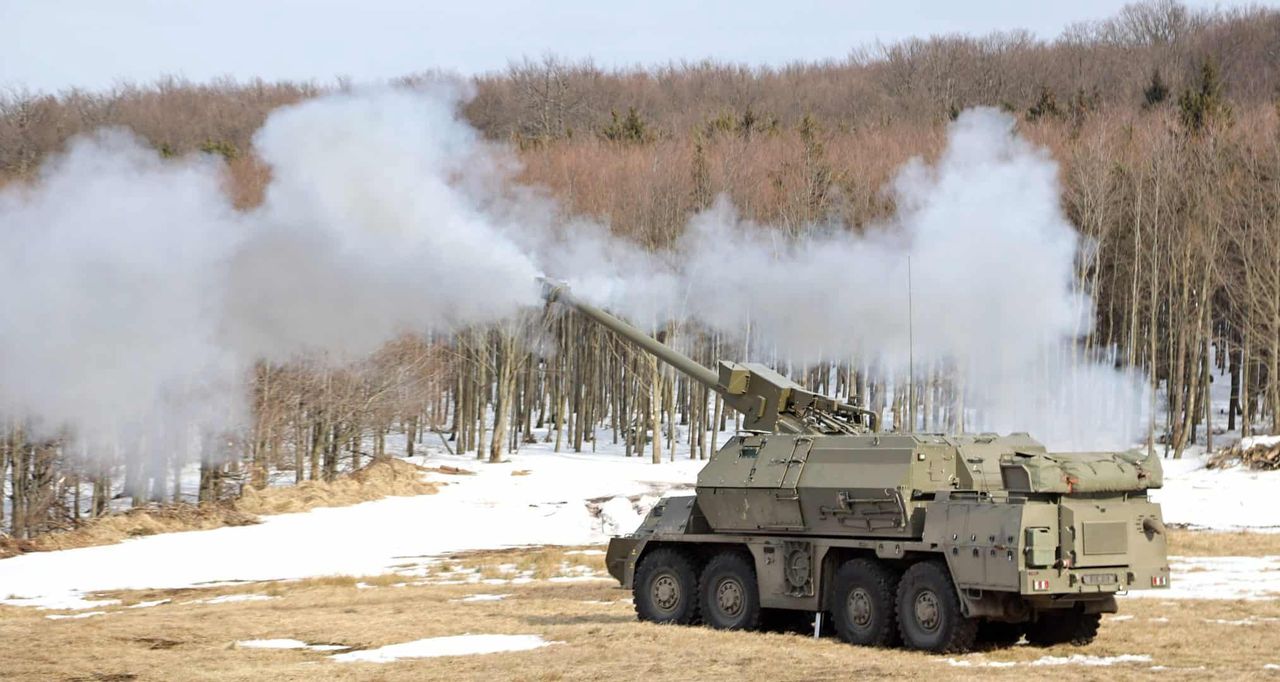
x=600 y=636
x=534 y=562
x=450 y=471
x=140 y=522
x=381 y=478
x=1210 y=543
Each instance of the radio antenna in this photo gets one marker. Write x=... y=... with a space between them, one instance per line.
x=911 y=351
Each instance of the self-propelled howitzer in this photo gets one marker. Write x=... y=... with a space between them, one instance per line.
x=929 y=540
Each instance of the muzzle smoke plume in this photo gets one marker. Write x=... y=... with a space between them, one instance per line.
x=137 y=298
x=994 y=302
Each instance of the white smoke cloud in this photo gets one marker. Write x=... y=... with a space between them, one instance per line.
x=991 y=259
x=114 y=268
x=136 y=298
x=376 y=222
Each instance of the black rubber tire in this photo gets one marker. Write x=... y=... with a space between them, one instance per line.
x=1070 y=626
x=863 y=596
x=999 y=634
x=665 y=588
x=729 y=598
x=926 y=588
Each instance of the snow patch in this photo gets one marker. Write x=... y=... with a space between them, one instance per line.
x=1217 y=499
x=1251 y=620
x=481 y=597
x=618 y=516
x=458 y=645
x=65 y=602
x=1074 y=659
x=547 y=507
x=232 y=598
x=577 y=579
x=1259 y=442
x=972 y=663
x=148 y=604
x=287 y=644
x=1086 y=659
x=1224 y=577
x=76 y=616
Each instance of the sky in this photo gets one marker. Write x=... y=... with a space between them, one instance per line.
x=52 y=45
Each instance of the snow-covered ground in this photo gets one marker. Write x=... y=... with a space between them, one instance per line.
x=1218 y=499
x=1222 y=577
x=565 y=499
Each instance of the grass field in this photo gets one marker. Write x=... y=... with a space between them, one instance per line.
x=591 y=621
x=1203 y=543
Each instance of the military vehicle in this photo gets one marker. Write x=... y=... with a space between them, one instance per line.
x=926 y=540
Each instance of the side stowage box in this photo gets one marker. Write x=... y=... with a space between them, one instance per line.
x=979 y=539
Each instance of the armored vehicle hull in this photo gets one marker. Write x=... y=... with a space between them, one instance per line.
x=876 y=532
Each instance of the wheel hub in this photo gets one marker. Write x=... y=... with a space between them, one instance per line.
x=666 y=592
x=729 y=595
x=926 y=609
x=859 y=606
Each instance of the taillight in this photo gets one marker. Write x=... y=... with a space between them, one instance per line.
x=1039 y=585
x=1159 y=581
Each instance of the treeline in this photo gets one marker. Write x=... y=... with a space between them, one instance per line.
x=1164 y=122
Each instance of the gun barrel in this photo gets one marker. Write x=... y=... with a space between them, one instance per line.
x=557 y=292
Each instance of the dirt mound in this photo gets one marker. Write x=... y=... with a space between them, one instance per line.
x=1260 y=453
x=381 y=478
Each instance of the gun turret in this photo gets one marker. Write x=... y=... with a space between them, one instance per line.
x=768 y=401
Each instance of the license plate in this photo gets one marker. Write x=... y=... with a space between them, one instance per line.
x=1099 y=579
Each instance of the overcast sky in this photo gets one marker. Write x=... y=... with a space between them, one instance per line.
x=50 y=45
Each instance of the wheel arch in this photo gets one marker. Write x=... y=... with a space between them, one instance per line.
x=836 y=557
x=697 y=552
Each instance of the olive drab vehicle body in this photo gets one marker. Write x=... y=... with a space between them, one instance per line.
x=929 y=540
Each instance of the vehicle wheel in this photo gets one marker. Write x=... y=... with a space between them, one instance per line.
x=666 y=588
x=1000 y=634
x=862 y=603
x=730 y=599
x=929 y=615
x=1064 y=627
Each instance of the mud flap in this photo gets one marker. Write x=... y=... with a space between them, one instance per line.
x=620 y=558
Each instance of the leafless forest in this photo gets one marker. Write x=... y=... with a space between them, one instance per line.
x=1165 y=121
